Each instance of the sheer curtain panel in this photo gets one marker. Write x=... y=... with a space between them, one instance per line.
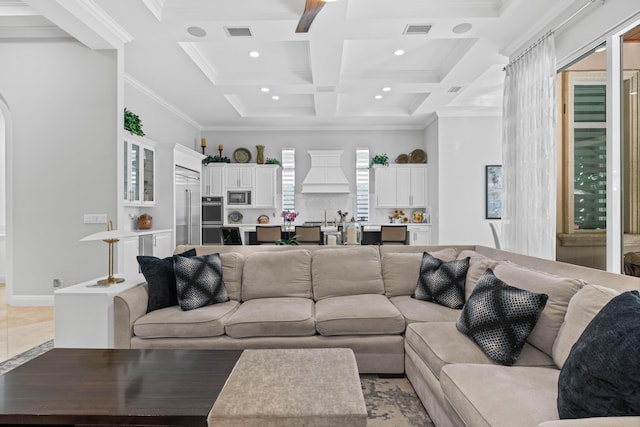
x=529 y=152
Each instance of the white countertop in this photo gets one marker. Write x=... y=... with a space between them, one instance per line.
x=152 y=231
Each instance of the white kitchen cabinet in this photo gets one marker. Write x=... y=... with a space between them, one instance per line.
x=401 y=186
x=239 y=177
x=419 y=235
x=385 y=186
x=148 y=243
x=139 y=172
x=213 y=184
x=264 y=191
x=130 y=247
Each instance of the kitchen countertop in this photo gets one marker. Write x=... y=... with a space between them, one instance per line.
x=152 y=231
x=367 y=227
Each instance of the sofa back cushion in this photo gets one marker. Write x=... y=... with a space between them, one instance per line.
x=559 y=289
x=232 y=264
x=582 y=308
x=277 y=274
x=400 y=270
x=347 y=271
x=478 y=264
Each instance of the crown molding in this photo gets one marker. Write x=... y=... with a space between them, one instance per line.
x=315 y=128
x=161 y=101
x=16 y=8
x=156 y=7
x=96 y=12
x=31 y=32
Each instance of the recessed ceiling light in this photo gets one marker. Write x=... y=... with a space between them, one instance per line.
x=275 y=97
x=378 y=96
x=196 y=31
x=254 y=54
x=399 y=52
x=462 y=28
x=265 y=89
x=386 y=89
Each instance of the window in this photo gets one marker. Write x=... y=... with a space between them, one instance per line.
x=288 y=179
x=362 y=184
x=589 y=140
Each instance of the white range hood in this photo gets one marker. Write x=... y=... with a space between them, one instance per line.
x=325 y=175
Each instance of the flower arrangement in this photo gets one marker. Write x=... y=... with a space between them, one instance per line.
x=289 y=216
x=398 y=216
x=343 y=215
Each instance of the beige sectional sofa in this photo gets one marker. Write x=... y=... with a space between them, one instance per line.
x=360 y=298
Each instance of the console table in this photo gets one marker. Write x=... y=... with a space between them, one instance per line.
x=83 y=314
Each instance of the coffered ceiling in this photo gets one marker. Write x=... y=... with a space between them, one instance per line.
x=194 y=55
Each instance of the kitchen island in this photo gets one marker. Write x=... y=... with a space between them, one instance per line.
x=417 y=233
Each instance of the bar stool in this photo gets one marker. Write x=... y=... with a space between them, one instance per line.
x=393 y=234
x=309 y=235
x=268 y=234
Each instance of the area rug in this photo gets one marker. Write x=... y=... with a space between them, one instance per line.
x=391 y=402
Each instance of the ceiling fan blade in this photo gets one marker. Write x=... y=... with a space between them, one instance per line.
x=311 y=9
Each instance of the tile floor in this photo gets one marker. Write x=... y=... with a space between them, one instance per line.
x=22 y=328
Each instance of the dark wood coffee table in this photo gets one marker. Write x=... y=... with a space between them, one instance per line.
x=110 y=387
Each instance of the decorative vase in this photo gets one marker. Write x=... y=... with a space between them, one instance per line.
x=260 y=156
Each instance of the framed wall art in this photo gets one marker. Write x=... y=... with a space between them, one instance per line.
x=493 y=180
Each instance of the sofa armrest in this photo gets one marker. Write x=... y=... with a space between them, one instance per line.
x=594 y=422
x=128 y=306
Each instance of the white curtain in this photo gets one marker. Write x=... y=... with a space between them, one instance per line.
x=529 y=152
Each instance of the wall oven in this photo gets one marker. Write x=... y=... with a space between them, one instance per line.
x=212 y=220
x=239 y=198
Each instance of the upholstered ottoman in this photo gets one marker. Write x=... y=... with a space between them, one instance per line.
x=310 y=387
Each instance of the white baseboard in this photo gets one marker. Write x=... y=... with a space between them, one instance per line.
x=31 y=300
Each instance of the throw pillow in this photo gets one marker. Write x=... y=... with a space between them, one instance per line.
x=601 y=375
x=499 y=317
x=442 y=282
x=199 y=281
x=161 y=280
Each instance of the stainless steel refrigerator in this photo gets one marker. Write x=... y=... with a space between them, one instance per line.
x=188 y=207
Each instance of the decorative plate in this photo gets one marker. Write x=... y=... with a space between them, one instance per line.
x=263 y=219
x=242 y=155
x=402 y=158
x=418 y=156
x=235 y=217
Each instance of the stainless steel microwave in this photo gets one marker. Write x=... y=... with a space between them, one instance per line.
x=239 y=198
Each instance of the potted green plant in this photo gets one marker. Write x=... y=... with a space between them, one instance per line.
x=132 y=123
x=215 y=159
x=379 y=159
x=272 y=161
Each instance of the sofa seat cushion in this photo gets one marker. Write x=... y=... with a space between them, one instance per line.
x=401 y=270
x=440 y=343
x=272 y=317
x=275 y=274
x=172 y=322
x=501 y=396
x=415 y=310
x=346 y=271
x=358 y=315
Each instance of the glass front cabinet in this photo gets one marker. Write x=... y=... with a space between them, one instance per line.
x=139 y=173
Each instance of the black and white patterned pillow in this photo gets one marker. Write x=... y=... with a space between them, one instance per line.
x=499 y=317
x=199 y=281
x=442 y=282
x=161 y=280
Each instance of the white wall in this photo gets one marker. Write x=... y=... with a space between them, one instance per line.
x=465 y=146
x=62 y=100
x=3 y=204
x=311 y=207
x=431 y=137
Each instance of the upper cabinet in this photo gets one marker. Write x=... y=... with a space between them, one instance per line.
x=265 y=188
x=401 y=186
x=213 y=179
x=239 y=176
x=139 y=172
